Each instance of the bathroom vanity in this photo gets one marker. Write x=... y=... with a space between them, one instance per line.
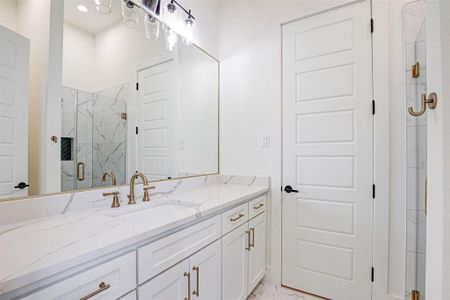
x=206 y=240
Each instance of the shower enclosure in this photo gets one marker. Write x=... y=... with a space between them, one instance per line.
x=93 y=139
x=416 y=148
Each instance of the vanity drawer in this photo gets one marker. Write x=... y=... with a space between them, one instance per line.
x=109 y=280
x=257 y=206
x=168 y=251
x=234 y=217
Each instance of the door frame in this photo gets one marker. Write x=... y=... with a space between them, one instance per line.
x=380 y=44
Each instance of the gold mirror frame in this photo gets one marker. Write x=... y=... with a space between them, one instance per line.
x=161 y=180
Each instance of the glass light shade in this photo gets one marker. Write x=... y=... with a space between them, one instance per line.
x=103 y=6
x=188 y=31
x=171 y=14
x=152 y=27
x=130 y=14
x=171 y=39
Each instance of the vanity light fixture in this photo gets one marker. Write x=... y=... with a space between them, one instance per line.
x=103 y=6
x=130 y=14
x=82 y=8
x=169 y=19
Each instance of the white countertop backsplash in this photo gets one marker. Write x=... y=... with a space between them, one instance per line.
x=43 y=236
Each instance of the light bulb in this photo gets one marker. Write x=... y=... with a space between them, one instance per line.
x=152 y=27
x=130 y=14
x=171 y=39
x=170 y=14
x=188 y=35
x=103 y=6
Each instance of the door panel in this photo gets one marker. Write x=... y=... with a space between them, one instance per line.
x=206 y=273
x=328 y=153
x=257 y=253
x=156 y=114
x=170 y=285
x=14 y=64
x=235 y=264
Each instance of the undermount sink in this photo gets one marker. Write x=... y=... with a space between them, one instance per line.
x=150 y=211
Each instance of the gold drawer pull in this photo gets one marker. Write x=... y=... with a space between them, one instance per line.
x=237 y=218
x=197 y=291
x=188 y=275
x=252 y=244
x=258 y=206
x=101 y=287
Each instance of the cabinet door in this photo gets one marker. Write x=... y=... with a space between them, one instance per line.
x=170 y=285
x=206 y=273
x=235 y=264
x=257 y=253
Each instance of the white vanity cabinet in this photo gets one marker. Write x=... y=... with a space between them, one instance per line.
x=221 y=257
x=197 y=277
x=109 y=280
x=243 y=258
x=257 y=252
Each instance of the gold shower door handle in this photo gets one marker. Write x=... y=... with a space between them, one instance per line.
x=431 y=102
x=80 y=171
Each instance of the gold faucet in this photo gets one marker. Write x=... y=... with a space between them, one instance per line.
x=109 y=173
x=131 y=196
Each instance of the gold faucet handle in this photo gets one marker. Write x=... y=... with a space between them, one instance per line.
x=146 y=195
x=115 y=194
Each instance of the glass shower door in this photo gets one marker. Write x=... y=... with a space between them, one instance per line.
x=416 y=146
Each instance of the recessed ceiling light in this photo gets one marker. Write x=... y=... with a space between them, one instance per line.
x=82 y=8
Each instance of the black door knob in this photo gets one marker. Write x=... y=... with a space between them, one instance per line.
x=21 y=185
x=288 y=189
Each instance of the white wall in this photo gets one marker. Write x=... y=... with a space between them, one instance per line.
x=251 y=108
x=78 y=58
x=8 y=11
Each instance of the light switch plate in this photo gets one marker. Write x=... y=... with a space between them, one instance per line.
x=265 y=141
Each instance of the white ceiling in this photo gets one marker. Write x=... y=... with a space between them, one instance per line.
x=90 y=21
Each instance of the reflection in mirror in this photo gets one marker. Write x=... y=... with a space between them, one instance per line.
x=127 y=104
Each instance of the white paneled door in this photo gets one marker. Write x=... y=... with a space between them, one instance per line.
x=14 y=62
x=328 y=153
x=156 y=114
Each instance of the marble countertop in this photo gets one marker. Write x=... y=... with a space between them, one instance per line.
x=36 y=249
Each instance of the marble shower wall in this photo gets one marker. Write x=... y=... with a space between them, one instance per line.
x=109 y=133
x=415 y=51
x=94 y=122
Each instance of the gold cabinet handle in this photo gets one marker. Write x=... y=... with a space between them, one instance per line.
x=80 y=171
x=252 y=232
x=188 y=275
x=237 y=218
x=196 y=292
x=248 y=240
x=258 y=206
x=101 y=287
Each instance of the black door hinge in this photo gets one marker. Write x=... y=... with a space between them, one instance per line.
x=373 y=107
x=137 y=130
x=137 y=86
x=372 y=276
x=373 y=191
x=371 y=25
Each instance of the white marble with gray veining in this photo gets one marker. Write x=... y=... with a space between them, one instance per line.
x=64 y=231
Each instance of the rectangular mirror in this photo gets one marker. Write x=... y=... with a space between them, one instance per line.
x=127 y=104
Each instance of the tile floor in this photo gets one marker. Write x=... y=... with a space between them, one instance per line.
x=267 y=291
